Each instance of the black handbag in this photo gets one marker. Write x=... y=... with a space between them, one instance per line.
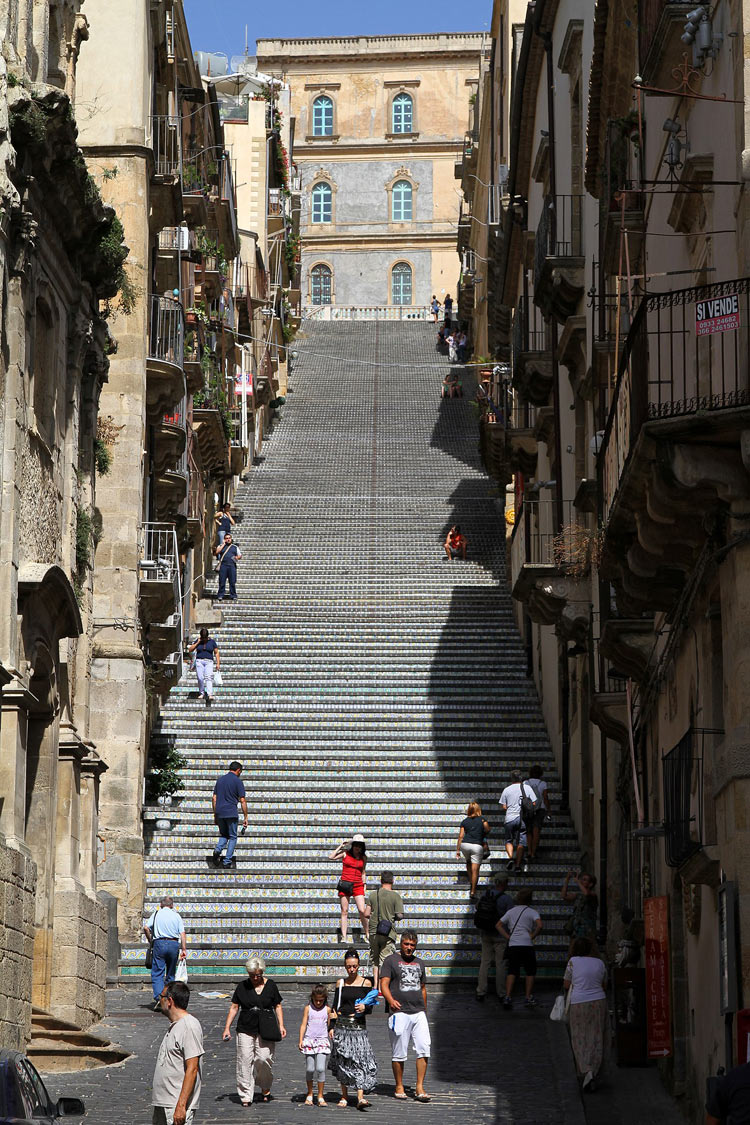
x=383 y=927
x=344 y=887
x=268 y=1026
x=150 y=950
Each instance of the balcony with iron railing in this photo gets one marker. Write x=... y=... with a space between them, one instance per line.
x=212 y=424
x=689 y=829
x=170 y=488
x=622 y=203
x=169 y=438
x=532 y=355
x=552 y=551
x=165 y=382
x=159 y=589
x=222 y=206
x=558 y=257
x=673 y=443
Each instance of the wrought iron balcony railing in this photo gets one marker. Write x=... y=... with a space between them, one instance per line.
x=560 y=230
x=530 y=332
x=687 y=351
x=167 y=146
x=166 y=337
x=541 y=543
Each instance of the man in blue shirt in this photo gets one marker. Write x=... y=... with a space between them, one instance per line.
x=228 y=790
x=166 y=930
x=228 y=554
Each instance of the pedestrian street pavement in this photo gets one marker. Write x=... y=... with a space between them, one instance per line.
x=487 y=1066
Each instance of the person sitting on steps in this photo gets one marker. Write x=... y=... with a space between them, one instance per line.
x=455 y=543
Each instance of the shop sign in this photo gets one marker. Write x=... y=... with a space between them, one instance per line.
x=658 y=1009
x=243 y=383
x=720 y=315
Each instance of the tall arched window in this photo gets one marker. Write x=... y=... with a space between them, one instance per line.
x=401 y=284
x=401 y=202
x=320 y=285
x=322 y=203
x=323 y=116
x=402 y=116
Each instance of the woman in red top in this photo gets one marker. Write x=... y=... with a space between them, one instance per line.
x=352 y=852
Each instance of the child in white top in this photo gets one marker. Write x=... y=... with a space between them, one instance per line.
x=314 y=1041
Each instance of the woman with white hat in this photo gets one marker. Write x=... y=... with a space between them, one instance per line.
x=352 y=883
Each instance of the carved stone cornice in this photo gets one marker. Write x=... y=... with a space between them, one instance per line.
x=571 y=352
x=523 y=451
x=559 y=287
x=544 y=430
x=532 y=377
x=609 y=712
x=554 y=598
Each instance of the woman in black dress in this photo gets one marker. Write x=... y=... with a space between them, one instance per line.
x=260 y=1027
x=352 y=1060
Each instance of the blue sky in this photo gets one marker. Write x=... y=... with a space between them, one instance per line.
x=221 y=26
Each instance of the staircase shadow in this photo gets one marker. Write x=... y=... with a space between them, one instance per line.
x=456 y=416
x=481 y=521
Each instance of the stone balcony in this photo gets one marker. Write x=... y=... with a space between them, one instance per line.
x=554 y=591
x=558 y=257
x=532 y=357
x=165 y=378
x=675 y=454
x=609 y=709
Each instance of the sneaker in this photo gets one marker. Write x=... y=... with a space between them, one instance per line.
x=531 y=1002
x=526 y=867
x=507 y=1003
x=510 y=865
x=479 y=997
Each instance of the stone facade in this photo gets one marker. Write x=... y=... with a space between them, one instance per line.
x=364 y=156
x=618 y=410
x=60 y=257
x=17 y=886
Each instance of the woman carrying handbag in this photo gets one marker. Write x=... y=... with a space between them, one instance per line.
x=352 y=853
x=259 y=1028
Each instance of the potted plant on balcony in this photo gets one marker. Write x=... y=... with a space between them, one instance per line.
x=163 y=781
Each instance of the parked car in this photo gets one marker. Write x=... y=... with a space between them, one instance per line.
x=24 y=1098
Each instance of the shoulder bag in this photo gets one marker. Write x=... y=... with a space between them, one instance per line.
x=506 y=954
x=150 y=950
x=268 y=1025
x=384 y=927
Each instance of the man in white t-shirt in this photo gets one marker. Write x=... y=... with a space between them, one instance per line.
x=540 y=787
x=515 y=829
x=176 y=1087
x=520 y=925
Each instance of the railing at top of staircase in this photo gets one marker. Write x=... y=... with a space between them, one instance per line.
x=366 y=312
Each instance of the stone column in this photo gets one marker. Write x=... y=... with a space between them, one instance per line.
x=92 y=767
x=40 y=836
x=14 y=703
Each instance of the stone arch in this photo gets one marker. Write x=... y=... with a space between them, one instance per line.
x=402 y=175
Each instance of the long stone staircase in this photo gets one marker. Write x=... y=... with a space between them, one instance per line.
x=369 y=684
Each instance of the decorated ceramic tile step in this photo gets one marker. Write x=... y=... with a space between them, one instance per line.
x=375 y=654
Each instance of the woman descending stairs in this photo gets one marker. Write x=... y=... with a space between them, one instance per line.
x=370 y=684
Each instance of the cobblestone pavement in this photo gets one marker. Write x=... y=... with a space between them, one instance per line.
x=487 y=1066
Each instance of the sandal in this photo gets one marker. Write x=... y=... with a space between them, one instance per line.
x=309 y=1099
x=343 y=1104
x=363 y=1104
x=322 y=1103
x=266 y=1097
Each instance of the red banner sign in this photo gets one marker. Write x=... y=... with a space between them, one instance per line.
x=719 y=315
x=658 y=1011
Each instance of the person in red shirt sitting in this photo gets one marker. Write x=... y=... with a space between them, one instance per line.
x=455 y=543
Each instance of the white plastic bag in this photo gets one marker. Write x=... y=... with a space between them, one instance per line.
x=180 y=972
x=217 y=678
x=559 y=1011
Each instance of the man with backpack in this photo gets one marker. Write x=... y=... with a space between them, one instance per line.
x=494 y=903
x=520 y=802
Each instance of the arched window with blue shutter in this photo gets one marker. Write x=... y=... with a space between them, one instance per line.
x=401 y=284
x=402 y=114
x=321 y=285
x=322 y=116
x=401 y=202
x=322 y=203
